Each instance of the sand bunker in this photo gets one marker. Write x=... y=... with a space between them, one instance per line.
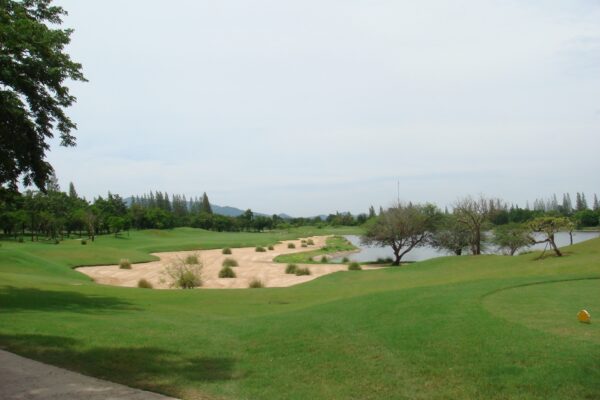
x=252 y=265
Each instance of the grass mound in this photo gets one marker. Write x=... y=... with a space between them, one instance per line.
x=354 y=266
x=256 y=284
x=226 y=272
x=260 y=249
x=124 y=263
x=229 y=262
x=144 y=284
x=302 y=271
x=226 y=250
x=291 y=269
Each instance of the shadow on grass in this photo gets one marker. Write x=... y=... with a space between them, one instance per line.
x=147 y=368
x=14 y=299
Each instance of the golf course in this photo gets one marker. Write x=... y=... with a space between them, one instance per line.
x=470 y=327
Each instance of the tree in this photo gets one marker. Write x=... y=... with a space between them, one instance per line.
x=403 y=228
x=451 y=235
x=474 y=215
x=548 y=227
x=72 y=191
x=206 y=207
x=512 y=237
x=596 y=205
x=33 y=97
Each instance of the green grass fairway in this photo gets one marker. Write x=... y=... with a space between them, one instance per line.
x=487 y=327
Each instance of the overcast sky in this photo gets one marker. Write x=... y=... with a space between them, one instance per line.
x=309 y=107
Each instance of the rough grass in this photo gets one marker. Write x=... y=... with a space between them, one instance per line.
x=144 y=284
x=226 y=272
x=291 y=269
x=334 y=244
x=487 y=327
x=302 y=271
x=260 y=249
x=354 y=266
x=256 y=284
x=192 y=259
x=124 y=263
x=229 y=262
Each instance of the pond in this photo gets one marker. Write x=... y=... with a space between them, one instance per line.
x=372 y=253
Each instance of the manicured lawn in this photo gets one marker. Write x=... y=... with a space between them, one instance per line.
x=487 y=327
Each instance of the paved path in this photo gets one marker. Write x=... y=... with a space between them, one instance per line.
x=25 y=379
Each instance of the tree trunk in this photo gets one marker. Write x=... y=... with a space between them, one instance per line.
x=554 y=246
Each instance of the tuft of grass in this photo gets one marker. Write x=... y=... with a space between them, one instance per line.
x=354 y=266
x=310 y=242
x=324 y=259
x=335 y=244
x=256 y=284
x=144 y=284
x=271 y=248
x=124 y=263
x=226 y=272
x=345 y=260
x=83 y=242
x=226 y=250
x=303 y=241
x=184 y=276
x=260 y=249
x=229 y=262
x=192 y=259
x=291 y=269
x=291 y=246
x=303 y=245
x=302 y=271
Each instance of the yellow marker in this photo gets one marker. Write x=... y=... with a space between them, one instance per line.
x=584 y=316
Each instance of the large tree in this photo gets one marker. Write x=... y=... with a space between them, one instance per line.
x=547 y=227
x=403 y=228
x=33 y=96
x=474 y=214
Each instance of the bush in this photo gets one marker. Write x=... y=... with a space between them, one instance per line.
x=260 y=249
x=324 y=260
x=83 y=241
x=303 y=241
x=184 y=276
x=144 y=284
x=226 y=250
x=303 y=245
x=192 y=259
x=291 y=269
x=229 y=262
x=345 y=260
x=302 y=271
x=354 y=267
x=291 y=246
x=226 y=272
x=256 y=284
x=271 y=248
x=310 y=242
x=124 y=263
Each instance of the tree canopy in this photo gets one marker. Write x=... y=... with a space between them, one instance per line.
x=33 y=95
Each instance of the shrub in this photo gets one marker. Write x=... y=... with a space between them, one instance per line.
x=324 y=260
x=226 y=250
x=291 y=269
x=354 y=266
x=226 y=272
x=124 y=263
x=256 y=284
x=291 y=246
x=192 y=259
x=310 y=242
x=184 y=276
x=83 y=242
x=271 y=248
x=302 y=271
x=303 y=241
x=229 y=262
x=260 y=249
x=144 y=284
x=345 y=260
x=303 y=245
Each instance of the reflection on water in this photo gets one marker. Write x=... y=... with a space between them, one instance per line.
x=372 y=253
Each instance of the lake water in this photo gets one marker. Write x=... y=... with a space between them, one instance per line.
x=372 y=253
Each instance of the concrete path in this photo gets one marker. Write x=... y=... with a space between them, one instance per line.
x=25 y=379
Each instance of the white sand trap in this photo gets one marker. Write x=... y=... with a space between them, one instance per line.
x=252 y=265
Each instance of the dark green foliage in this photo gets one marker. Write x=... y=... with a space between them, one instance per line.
x=324 y=259
x=512 y=237
x=260 y=249
x=256 y=284
x=226 y=250
x=229 y=262
x=271 y=248
x=83 y=242
x=226 y=272
x=354 y=266
x=33 y=97
x=291 y=246
x=303 y=245
x=302 y=271
x=310 y=242
x=144 y=284
x=291 y=269
x=124 y=263
x=345 y=260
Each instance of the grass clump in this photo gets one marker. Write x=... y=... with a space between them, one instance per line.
x=256 y=284
x=302 y=271
x=303 y=245
x=271 y=248
x=291 y=246
x=354 y=266
x=144 y=284
x=310 y=242
x=291 y=269
x=226 y=250
x=184 y=276
x=345 y=260
x=226 y=272
x=230 y=262
x=324 y=259
x=192 y=259
x=260 y=249
x=83 y=242
x=124 y=263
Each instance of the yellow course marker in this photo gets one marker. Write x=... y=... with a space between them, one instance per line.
x=584 y=316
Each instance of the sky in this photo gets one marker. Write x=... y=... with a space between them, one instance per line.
x=310 y=107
